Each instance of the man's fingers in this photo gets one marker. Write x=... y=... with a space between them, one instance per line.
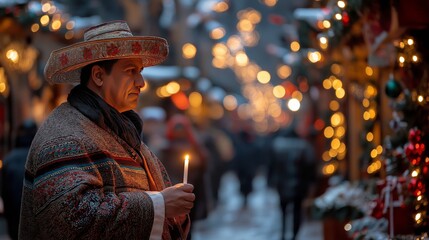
x=189 y=197
x=186 y=187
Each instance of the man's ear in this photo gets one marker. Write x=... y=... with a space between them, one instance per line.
x=97 y=75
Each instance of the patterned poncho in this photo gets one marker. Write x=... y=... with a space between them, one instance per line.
x=83 y=182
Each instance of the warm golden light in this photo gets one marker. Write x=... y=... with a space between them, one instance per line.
x=314 y=56
x=219 y=49
x=172 y=87
x=418 y=216
x=230 y=102
x=340 y=93
x=56 y=24
x=294 y=104
x=379 y=149
x=12 y=55
x=185 y=169
x=295 y=46
x=337 y=119
x=328 y=132
x=369 y=136
x=241 y=59
x=270 y=3
x=284 y=71
x=337 y=84
x=46 y=7
x=334 y=105
x=44 y=20
x=263 y=77
x=245 y=25
x=217 y=33
x=297 y=95
x=220 y=7
x=369 y=71
x=35 y=27
x=338 y=16
x=69 y=35
x=326 y=24
x=328 y=169
x=195 y=99
x=70 y=25
x=340 y=132
x=189 y=50
x=373 y=153
x=335 y=143
x=327 y=84
x=279 y=91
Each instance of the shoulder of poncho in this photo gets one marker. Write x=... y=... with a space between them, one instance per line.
x=67 y=133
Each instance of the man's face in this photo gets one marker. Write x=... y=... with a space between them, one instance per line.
x=121 y=88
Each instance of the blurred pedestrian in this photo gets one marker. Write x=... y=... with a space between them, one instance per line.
x=291 y=173
x=220 y=154
x=88 y=174
x=154 y=128
x=183 y=140
x=245 y=162
x=13 y=175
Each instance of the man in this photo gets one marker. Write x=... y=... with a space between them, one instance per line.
x=88 y=174
x=291 y=173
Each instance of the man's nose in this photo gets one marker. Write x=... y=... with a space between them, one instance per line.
x=140 y=82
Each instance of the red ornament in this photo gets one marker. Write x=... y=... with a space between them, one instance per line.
x=416 y=186
x=415 y=135
x=412 y=153
x=345 y=18
x=425 y=171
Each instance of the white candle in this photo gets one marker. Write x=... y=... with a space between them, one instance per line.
x=185 y=170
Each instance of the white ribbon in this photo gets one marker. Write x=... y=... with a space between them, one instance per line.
x=391 y=184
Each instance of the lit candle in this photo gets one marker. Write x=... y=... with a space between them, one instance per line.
x=185 y=170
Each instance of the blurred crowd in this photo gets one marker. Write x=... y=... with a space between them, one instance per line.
x=286 y=159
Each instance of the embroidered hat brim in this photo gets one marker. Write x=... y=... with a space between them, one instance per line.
x=64 y=65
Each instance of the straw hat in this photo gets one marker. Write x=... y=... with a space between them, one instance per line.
x=111 y=40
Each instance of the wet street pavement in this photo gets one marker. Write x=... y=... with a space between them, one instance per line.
x=261 y=220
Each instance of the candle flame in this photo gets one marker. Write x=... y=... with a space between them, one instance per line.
x=187 y=157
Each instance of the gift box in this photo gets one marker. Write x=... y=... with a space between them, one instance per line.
x=391 y=191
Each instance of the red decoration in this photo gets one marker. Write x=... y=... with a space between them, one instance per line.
x=136 y=48
x=415 y=135
x=416 y=187
x=155 y=50
x=64 y=59
x=345 y=18
x=87 y=54
x=112 y=50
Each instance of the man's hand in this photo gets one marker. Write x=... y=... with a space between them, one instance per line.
x=178 y=199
